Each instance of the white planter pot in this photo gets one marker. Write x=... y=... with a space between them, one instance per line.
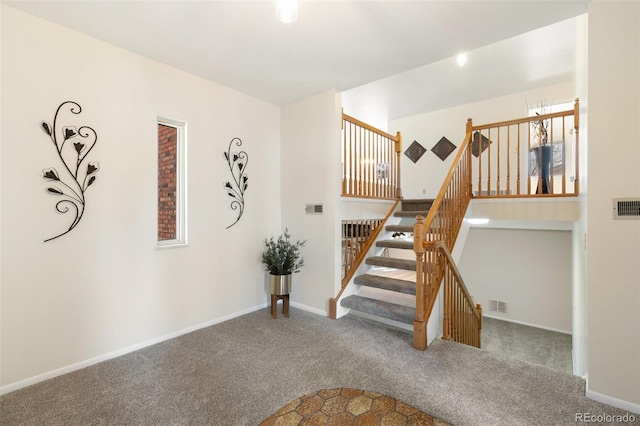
x=280 y=284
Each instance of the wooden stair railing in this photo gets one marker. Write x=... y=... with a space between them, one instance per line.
x=510 y=156
x=370 y=161
x=442 y=224
x=370 y=169
x=365 y=243
x=462 y=319
x=355 y=236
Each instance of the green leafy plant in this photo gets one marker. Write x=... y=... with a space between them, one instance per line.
x=282 y=256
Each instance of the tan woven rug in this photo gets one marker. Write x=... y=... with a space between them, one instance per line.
x=344 y=406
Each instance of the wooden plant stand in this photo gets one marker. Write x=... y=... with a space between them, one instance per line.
x=274 y=305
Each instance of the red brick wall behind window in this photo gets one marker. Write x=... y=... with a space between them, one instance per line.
x=167 y=166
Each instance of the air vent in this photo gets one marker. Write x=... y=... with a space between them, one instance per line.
x=626 y=208
x=498 y=306
x=313 y=209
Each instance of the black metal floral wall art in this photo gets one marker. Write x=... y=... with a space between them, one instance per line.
x=72 y=144
x=236 y=187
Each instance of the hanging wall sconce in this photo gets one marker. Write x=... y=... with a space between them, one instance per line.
x=287 y=11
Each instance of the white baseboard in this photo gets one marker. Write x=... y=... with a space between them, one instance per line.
x=86 y=363
x=527 y=324
x=614 y=402
x=309 y=309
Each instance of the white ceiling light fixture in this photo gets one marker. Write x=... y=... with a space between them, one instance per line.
x=287 y=11
x=462 y=59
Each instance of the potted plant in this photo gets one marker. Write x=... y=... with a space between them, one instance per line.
x=282 y=258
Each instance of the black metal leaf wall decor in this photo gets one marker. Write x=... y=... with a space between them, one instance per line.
x=479 y=143
x=236 y=187
x=72 y=144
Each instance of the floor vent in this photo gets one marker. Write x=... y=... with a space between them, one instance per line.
x=626 y=208
x=498 y=306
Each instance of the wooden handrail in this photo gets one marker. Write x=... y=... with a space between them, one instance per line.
x=369 y=127
x=462 y=319
x=370 y=239
x=525 y=119
x=461 y=163
x=442 y=223
x=370 y=161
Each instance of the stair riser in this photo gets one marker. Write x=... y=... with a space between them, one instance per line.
x=388 y=262
x=384 y=283
x=380 y=308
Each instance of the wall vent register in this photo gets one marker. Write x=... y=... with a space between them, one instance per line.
x=313 y=208
x=498 y=306
x=626 y=208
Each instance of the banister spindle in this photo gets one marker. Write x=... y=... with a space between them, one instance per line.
x=419 y=323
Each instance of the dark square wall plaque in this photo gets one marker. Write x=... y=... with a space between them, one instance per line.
x=443 y=148
x=479 y=143
x=415 y=151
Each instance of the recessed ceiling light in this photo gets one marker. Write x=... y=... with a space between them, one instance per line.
x=287 y=11
x=462 y=59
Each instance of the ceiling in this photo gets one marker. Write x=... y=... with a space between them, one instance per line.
x=395 y=55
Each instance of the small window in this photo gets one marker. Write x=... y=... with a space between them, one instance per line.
x=171 y=183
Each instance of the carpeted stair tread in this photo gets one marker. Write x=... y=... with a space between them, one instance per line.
x=417 y=204
x=399 y=243
x=380 y=308
x=390 y=262
x=386 y=283
x=411 y=213
x=399 y=228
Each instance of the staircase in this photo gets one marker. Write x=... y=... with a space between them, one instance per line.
x=388 y=289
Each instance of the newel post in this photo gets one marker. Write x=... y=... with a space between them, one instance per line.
x=576 y=129
x=398 y=146
x=419 y=324
x=469 y=171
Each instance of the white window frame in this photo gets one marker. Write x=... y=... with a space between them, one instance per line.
x=181 y=184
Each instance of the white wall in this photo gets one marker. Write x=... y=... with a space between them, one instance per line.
x=311 y=173
x=613 y=246
x=580 y=81
x=528 y=269
x=104 y=288
x=424 y=178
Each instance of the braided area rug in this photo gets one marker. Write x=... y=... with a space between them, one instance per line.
x=345 y=406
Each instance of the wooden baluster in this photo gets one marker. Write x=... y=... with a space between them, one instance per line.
x=479 y=310
x=529 y=153
x=488 y=160
x=419 y=323
x=498 y=164
x=508 y=160
x=576 y=128
x=518 y=161
x=551 y=174
x=398 y=147
x=564 y=157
